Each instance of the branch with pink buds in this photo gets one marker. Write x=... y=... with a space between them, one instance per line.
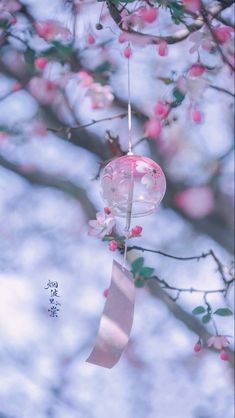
x=103 y=228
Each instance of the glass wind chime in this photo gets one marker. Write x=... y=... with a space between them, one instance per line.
x=131 y=186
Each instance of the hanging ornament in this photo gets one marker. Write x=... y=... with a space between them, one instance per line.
x=131 y=186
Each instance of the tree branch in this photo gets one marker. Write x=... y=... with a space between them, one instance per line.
x=36 y=177
x=178 y=36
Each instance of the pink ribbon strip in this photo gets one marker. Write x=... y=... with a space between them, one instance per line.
x=116 y=320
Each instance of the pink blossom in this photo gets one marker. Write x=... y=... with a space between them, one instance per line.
x=40 y=63
x=198 y=347
x=218 y=342
x=223 y=33
x=85 y=78
x=196 y=116
x=127 y=52
x=195 y=87
x=196 y=202
x=224 y=355
x=196 y=70
x=153 y=128
x=192 y=6
x=149 y=14
x=51 y=29
x=113 y=245
x=101 y=96
x=136 y=231
x=101 y=226
x=42 y=89
x=161 y=109
x=10 y=6
x=131 y=19
x=201 y=39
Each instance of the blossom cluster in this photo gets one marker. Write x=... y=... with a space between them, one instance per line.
x=102 y=228
x=219 y=342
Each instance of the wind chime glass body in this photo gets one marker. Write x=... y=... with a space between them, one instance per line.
x=132 y=177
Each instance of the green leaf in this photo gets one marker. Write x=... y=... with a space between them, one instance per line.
x=178 y=95
x=29 y=56
x=177 y=11
x=139 y=283
x=206 y=318
x=108 y=238
x=137 y=265
x=198 y=310
x=166 y=80
x=146 y=271
x=105 y=66
x=223 y=312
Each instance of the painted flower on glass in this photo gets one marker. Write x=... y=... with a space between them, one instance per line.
x=150 y=174
x=102 y=225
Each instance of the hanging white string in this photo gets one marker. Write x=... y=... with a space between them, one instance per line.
x=131 y=189
x=129 y=108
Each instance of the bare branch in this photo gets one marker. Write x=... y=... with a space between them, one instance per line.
x=40 y=178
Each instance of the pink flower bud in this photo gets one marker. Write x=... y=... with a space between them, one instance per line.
x=153 y=128
x=106 y=293
x=192 y=6
x=16 y=87
x=223 y=33
x=113 y=245
x=149 y=14
x=127 y=52
x=198 y=346
x=224 y=355
x=161 y=109
x=196 y=70
x=121 y=38
x=40 y=63
x=90 y=39
x=136 y=231
x=162 y=49
x=107 y=211
x=94 y=105
x=13 y=20
x=196 y=116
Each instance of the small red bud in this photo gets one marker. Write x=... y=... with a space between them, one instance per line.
x=113 y=245
x=107 y=211
x=40 y=63
x=136 y=231
x=196 y=116
x=198 y=347
x=90 y=39
x=106 y=293
x=224 y=355
x=127 y=52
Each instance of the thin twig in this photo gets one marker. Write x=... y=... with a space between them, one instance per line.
x=87 y=125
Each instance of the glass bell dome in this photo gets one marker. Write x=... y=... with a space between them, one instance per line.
x=132 y=183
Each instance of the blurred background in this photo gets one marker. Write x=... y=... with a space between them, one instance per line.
x=49 y=190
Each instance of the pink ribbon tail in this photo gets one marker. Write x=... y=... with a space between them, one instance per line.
x=116 y=320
